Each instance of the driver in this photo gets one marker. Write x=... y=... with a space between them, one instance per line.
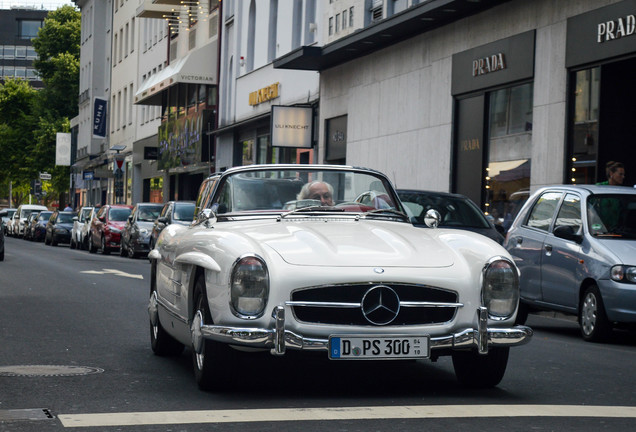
x=317 y=190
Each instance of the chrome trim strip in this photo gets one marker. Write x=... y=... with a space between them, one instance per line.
x=278 y=339
x=357 y=305
x=323 y=304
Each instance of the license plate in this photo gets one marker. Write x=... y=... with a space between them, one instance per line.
x=345 y=347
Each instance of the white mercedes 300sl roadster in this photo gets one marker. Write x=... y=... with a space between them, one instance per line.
x=324 y=258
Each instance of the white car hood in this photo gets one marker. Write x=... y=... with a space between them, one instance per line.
x=363 y=243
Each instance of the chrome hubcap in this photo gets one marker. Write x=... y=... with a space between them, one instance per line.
x=197 y=338
x=588 y=314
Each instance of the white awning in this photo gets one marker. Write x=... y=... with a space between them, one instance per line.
x=197 y=67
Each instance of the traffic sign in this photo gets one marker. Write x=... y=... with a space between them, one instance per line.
x=45 y=176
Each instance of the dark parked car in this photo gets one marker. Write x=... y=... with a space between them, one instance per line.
x=37 y=229
x=6 y=215
x=135 y=237
x=178 y=212
x=58 y=228
x=575 y=247
x=456 y=211
x=1 y=240
x=106 y=227
x=28 y=233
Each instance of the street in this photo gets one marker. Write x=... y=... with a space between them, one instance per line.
x=75 y=353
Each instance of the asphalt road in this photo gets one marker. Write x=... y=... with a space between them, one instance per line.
x=74 y=353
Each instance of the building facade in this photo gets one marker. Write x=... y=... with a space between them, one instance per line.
x=259 y=106
x=491 y=99
x=18 y=26
x=90 y=172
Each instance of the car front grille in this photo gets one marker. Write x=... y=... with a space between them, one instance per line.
x=352 y=304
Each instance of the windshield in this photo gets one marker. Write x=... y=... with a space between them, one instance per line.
x=455 y=211
x=44 y=216
x=289 y=189
x=184 y=212
x=149 y=213
x=65 y=217
x=612 y=216
x=118 y=214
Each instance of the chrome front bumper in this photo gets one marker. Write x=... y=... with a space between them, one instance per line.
x=278 y=339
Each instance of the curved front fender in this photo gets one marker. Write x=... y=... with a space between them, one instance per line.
x=198 y=259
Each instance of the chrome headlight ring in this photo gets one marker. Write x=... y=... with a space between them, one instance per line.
x=249 y=287
x=500 y=287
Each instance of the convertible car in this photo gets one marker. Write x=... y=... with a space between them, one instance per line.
x=290 y=257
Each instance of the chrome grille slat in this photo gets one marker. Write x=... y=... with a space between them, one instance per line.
x=342 y=304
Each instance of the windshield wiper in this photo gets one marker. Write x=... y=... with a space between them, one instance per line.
x=309 y=209
x=382 y=212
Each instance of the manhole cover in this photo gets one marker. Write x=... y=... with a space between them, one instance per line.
x=47 y=370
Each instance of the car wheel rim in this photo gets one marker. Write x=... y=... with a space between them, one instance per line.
x=588 y=314
x=197 y=339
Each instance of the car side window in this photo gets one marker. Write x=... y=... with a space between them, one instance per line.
x=570 y=212
x=542 y=213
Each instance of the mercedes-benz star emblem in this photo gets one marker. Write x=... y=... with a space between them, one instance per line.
x=380 y=305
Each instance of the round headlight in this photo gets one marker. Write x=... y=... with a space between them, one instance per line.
x=249 y=287
x=621 y=273
x=500 y=288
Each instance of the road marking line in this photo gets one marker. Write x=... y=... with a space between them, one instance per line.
x=114 y=272
x=347 y=413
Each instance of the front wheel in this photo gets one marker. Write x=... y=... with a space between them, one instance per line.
x=481 y=371
x=105 y=250
x=91 y=246
x=212 y=360
x=595 y=327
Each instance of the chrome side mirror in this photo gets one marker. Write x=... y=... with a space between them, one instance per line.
x=207 y=215
x=432 y=218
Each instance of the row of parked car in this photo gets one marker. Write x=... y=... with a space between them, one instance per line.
x=131 y=230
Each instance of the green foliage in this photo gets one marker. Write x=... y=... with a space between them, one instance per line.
x=30 y=119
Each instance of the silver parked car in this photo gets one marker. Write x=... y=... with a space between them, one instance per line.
x=78 y=232
x=576 y=249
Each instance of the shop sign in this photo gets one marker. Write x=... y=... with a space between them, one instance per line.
x=263 y=95
x=493 y=63
x=291 y=126
x=99 y=117
x=601 y=34
x=616 y=29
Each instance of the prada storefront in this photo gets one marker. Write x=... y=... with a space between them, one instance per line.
x=601 y=62
x=493 y=92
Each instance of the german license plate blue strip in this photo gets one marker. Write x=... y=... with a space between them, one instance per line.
x=355 y=347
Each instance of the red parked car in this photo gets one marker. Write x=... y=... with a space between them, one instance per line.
x=106 y=227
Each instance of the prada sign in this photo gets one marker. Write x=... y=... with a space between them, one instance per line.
x=601 y=34
x=497 y=63
x=486 y=65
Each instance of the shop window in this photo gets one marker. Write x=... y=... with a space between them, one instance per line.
x=509 y=150
x=585 y=130
x=248 y=152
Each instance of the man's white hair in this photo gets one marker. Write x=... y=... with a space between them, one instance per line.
x=304 y=192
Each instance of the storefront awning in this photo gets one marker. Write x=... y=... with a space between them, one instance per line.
x=197 y=67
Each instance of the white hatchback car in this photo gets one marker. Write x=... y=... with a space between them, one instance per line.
x=333 y=275
x=20 y=216
x=78 y=232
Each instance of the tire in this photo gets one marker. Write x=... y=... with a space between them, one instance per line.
x=73 y=243
x=2 y=256
x=522 y=314
x=91 y=245
x=480 y=371
x=105 y=250
x=213 y=364
x=161 y=342
x=593 y=322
